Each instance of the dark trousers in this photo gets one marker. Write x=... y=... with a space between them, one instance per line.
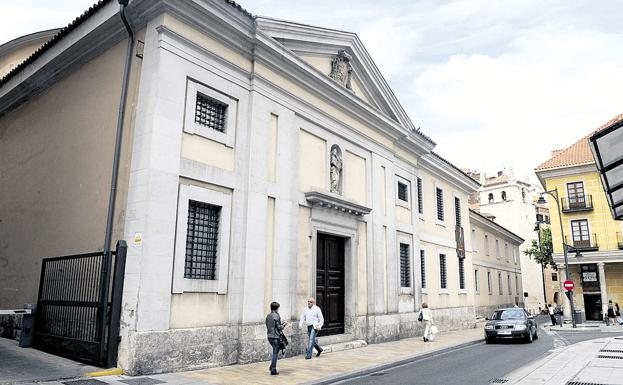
x=553 y=319
x=274 y=342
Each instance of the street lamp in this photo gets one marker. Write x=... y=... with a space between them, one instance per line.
x=554 y=194
x=537 y=228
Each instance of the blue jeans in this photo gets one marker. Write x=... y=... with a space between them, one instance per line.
x=311 y=332
x=274 y=342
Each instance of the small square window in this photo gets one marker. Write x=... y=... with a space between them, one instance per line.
x=210 y=113
x=403 y=192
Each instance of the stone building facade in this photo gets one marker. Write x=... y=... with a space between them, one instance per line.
x=263 y=160
x=497 y=266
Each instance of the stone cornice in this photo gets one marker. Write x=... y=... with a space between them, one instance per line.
x=336 y=202
x=451 y=175
x=543 y=175
x=609 y=256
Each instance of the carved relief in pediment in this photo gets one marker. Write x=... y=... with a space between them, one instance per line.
x=341 y=69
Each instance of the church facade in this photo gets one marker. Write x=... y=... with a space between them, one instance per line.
x=265 y=161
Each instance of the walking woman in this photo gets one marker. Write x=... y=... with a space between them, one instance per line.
x=274 y=328
x=427 y=318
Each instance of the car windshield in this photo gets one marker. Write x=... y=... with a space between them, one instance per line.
x=509 y=314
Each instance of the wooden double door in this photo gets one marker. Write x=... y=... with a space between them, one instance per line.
x=330 y=282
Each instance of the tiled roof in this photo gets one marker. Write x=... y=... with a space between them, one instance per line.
x=578 y=153
x=73 y=25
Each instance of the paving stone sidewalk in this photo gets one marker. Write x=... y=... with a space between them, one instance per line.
x=598 y=362
x=327 y=368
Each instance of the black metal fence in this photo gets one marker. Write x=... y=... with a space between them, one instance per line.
x=578 y=203
x=79 y=306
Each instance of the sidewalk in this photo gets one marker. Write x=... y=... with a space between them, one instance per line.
x=590 y=325
x=327 y=368
x=598 y=361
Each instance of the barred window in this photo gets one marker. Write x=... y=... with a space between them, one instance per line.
x=489 y=288
x=440 y=215
x=443 y=272
x=420 y=207
x=516 y=285
x=462 y=273
x=201 y=240
x=457 y=211
x=500 y=283
x=210 y=113
x=509 y=284
x=476 y=281
x=423 y=269
x=405 y=268
x=403 y=192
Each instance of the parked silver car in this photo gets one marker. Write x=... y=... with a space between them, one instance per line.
x=513 y=322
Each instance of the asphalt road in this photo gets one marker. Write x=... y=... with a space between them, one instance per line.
x=472 y=365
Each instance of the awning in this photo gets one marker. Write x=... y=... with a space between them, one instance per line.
x=607 y=147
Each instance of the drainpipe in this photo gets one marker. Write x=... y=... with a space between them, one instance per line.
x=122 y=102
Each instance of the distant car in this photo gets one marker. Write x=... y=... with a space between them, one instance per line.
x=513 y=322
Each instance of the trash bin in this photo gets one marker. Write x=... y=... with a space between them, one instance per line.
x=28 y=327
x=578 y=317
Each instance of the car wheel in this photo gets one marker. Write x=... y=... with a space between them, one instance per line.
x=489 y=340
x=536 y=333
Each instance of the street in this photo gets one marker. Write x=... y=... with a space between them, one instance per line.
x=474 y=365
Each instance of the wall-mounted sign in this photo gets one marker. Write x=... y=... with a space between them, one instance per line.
x=589 y=276
x=138 y=239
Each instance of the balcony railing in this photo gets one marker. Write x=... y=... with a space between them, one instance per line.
x=620 y=240
x=578 y=203
x=583 y=244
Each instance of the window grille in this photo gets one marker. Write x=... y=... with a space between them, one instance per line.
x=497 y=249
x=509 y=284
x=500 y=283
x=403 y=192
x=443 y=273
x=405 y=271
x=457 y=211
x=516 y=284
x=201 y=240
x=462 y=273
x=439 y=204
x=210 y=113
x=420 y=206
x=476 y=281
x=423 y=268
x=489 y=282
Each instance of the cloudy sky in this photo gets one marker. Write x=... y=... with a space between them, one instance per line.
x=495 y=83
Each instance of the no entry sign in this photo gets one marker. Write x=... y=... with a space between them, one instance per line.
x=568 y=285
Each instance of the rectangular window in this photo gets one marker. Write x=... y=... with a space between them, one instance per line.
x=506 y=252
x=575 y=194
x=500 y=283
x=423 y=269
x=443 y=272
x=201 y=240
x=509 y=284
x=210 y=113
x=403 y=192
x=515 y=253
x=476 y=281
x=462 y=273
x=497 y=249
x=486 y=244
x=489 y=288
x=457 y=211
x=516 y=285
x=579 y=230
x=555 y=277
x=420 y=207
x=405 y=266
x=440 y=214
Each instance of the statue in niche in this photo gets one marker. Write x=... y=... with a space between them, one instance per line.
x=341 y=69
x=336 y=170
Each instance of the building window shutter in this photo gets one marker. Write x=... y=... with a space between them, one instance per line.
x=420 y=207
x=462 y=273
x=423 y=269
x=457 y=211
x=443 y=272
x=440 y=213
x=405 y=268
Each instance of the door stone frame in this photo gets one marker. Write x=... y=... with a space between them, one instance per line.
x=331 y=222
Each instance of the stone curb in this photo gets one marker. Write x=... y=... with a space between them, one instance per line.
x=389 y=365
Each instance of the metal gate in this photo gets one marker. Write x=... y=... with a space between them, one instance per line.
x=79 y=306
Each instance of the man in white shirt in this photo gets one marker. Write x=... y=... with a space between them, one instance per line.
x=312 y=318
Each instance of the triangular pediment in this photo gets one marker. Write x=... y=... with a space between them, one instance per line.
x=320 y=47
